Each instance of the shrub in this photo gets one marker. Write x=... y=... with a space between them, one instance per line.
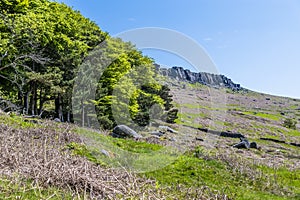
x=290 y=123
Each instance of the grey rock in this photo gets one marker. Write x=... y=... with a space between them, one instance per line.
x=157 y=133
x=104 y=152
x=123 y=131
x=57 y=120
x=244 y=144
x=214 y=80
x=253 y=145
x=168 y=129
x=199 y=139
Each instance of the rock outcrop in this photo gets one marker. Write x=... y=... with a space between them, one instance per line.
x=214 y=80
x=123 y=131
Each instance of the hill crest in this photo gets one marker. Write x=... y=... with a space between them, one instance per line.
x=214 y=80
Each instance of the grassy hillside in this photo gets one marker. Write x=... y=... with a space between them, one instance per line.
x=48 y=160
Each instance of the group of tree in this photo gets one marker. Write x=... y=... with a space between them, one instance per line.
x=45 y=45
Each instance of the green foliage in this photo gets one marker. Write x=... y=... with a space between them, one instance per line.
x=128 y=89
x=13 y=6
x=82 y=150
x=189 y=170
x=137 y=147
x=42 y=44
x=270 y=116
x=290 y=123
x=40 y=49
x=26 y=189
x=19 y=122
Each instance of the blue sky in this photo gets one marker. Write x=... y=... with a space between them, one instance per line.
x=255 y=43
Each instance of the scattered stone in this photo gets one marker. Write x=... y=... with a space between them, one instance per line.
x=172 y=139
x=157 y=133
x=57 y=120
x=223 y=133
x=295 y=144
x=123 y=131
x=231 y=135
x=253 y=145
x=199 y=139
x=244 y=144
x=167 y=129
x=104 y=152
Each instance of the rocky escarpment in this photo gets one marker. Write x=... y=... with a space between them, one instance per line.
x=214 y=80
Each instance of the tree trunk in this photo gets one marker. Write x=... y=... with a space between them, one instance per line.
x=20 y=98
x=26 y=103
x=82 y=113
x=88 y=121
x=41 y=103
x=68 y=116
x=35 y=99
x=58 y=107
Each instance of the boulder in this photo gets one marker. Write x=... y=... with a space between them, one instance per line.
x=57 y=120
x=123 y=131
x=244 y=144
x=157 y=133
x=253 y=145
x=199 y=139
x=104 y=152
x=167 y=129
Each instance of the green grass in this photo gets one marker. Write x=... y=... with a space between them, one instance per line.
x=198 y=86
x=136 y=147
x=168 y=167
x=275 y=117
x=192 y=171
x=295 y=133
x=139 y=156
x=198 y=106
x=18 y=121
x=82 y=150
x=25 y=189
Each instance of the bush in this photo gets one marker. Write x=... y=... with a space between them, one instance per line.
x=290 y=123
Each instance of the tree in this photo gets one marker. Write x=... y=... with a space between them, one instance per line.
x=41 y=48
x=127 y=89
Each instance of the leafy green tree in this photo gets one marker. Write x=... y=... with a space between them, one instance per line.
x=42 y=45
x=41 y=48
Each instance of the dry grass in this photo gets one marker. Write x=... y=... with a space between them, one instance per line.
x=40 y=155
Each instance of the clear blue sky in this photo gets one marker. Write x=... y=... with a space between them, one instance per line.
x=254 y=42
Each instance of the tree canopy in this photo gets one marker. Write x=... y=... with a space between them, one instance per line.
x=42 y=46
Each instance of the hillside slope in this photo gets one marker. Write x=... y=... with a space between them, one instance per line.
x=48 y=160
